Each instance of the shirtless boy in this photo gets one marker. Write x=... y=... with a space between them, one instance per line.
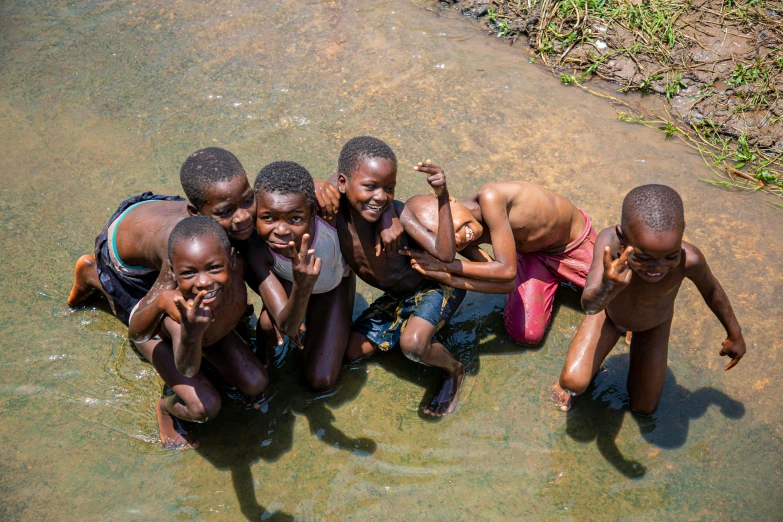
x=412 y=309
x=210 y=299
x=539 y=239
x=636 y=273
x=132 y=250
x=312 y=272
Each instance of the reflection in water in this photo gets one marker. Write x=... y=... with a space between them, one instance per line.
x=599 y=414
x=102 y=100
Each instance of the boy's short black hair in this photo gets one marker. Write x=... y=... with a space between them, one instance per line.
x=203 y=169
x=359 y=148
x=197 y=227
x=286 y=177
x=655 y=207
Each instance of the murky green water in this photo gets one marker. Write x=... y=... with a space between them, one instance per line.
x=102 y=100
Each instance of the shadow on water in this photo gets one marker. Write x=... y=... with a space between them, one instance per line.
x=598 y=414
x=241 y=436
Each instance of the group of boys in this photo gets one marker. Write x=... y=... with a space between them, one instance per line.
x=176 y=271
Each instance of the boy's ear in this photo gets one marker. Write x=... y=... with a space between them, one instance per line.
x=192 y=210
x=619 y=231
x=341 y=181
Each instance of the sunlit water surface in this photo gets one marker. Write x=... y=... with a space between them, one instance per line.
x=103 y=100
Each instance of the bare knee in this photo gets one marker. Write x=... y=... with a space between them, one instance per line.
x=359 y=347
x=416 y=346
x=255 y=384
x=205 y=407
x=321 y=381
x=574 y=381
x=642 y=407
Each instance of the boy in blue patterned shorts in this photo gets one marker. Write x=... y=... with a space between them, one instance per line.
x=413 y=309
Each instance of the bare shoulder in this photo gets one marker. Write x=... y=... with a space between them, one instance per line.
x=492 y=193
x=608 y=237
x=695 y=262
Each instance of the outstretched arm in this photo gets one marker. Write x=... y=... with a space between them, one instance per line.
x=466 y=283
x=698 y=271
x=159 y=301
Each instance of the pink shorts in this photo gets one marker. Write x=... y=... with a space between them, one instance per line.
x=529 y=307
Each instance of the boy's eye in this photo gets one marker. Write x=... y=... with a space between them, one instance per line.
x=216 y=267
x=672 y=257
x=186 y=273
x=296 y=219
x=370 y=187
x=390 y=188
x=249 y=201
x=222 y=213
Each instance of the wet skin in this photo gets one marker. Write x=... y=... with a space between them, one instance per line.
x=209 y=302
x=286 y=222
x=513 y=216
x=143 y=234
x=365 y=196
x=632 y=288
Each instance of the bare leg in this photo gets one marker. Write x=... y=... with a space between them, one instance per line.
x=649 y=353
x=595 y=338
x=85 y=280
x=195 y=399
x=328 y=333
x=359 y=347
x=238 y=365
x=416 y=343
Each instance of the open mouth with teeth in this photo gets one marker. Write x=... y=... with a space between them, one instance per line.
x=652 y=276
x=469 y=234
x=373 y=208
x=210 y=296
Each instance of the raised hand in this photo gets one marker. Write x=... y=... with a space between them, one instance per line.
x=194 y=316
x=617 y=273
x=422 y=261
x=328 y=198
x=390 y=231
x=305 y=266
x=734 y=348
x=435 y=177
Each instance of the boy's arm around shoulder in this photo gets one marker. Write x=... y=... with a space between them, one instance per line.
x=146 y=319
x=607 y=277
x=698 y=271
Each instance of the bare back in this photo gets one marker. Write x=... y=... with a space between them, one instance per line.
x=540 y=219
x=143 y=234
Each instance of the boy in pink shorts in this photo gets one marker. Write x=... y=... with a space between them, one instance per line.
x=539 y=239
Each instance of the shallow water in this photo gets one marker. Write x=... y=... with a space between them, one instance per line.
x=102 y=100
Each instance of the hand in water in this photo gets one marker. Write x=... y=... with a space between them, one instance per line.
x=435 y=177
x=734 y=348
x=617 y=273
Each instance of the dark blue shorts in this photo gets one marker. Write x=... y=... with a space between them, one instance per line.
x=385 y=319
x=125 y=289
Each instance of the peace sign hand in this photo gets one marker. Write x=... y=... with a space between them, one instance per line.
x=617 y=273
x=305 y=266
x=435 y=176
x=195 y=317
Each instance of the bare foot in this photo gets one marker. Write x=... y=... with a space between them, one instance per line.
x=445 y=401
x=86 y=273
x=628 y=336
x=170 y=436
x=562 y=398
x=257 y=402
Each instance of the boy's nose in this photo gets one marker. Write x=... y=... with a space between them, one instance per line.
x=241 y=215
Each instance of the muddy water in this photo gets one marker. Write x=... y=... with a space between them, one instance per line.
x=102 y=100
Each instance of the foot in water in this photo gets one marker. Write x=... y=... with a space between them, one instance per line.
x=84 y=280
x=445 y=401
x=563 y=399
x=170 y=436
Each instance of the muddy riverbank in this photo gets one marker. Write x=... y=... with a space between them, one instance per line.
x=710 y=71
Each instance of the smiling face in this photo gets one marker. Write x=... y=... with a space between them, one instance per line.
x=370 y=188
x=202 y=264
x=233 y=205
x=655 y=253
x=466 y=228
x=283 y=218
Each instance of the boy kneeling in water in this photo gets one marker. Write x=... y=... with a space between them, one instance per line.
x=637 y=270
x=304 y=270
x=198 y=320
